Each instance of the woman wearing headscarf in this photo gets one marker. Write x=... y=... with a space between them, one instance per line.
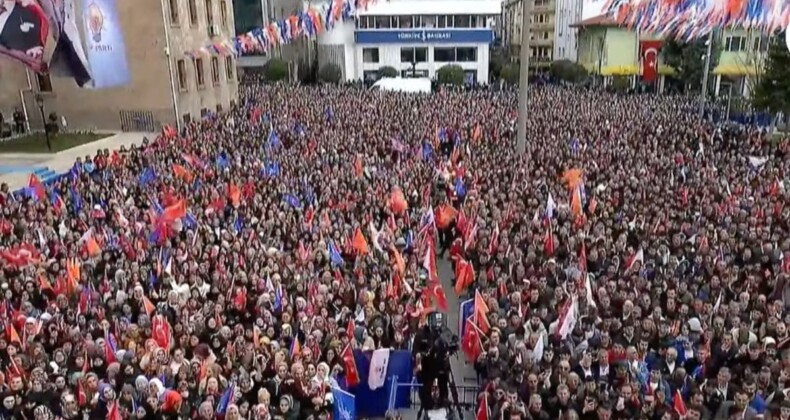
x=286 y=409
x=321 y=385
x=106 y=398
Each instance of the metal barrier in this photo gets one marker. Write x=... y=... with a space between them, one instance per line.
x=467 y=394
x=139 y=121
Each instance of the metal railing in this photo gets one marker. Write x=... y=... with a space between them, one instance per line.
x=139 y=121
x=467 y=394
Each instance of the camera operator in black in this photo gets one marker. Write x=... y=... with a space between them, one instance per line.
x=432 y=348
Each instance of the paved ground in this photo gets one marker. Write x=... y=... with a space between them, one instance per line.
x=465 y=376
x=15 y=168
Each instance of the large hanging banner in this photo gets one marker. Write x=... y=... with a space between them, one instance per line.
x=104 y=44
x=30 y=29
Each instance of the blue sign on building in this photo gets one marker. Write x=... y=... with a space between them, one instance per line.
x=424 y=36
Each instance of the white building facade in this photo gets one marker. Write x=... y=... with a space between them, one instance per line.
x=567 y=13
x=416 y=38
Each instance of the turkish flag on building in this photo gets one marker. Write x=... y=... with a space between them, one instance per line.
x=648 y=51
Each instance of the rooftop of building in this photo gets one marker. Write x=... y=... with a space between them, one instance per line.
x=433 y=7
x=599 y=20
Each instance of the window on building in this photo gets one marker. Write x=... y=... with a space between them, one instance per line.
x=462 y=21
x=362 y=22
x=215 y=70
x=193 y=13
x=370 y=55
x=200 y=77
x=230 y=69
x=545 y=35
x=761 y=43
x=414 y=73
x=181 y=69
x=443 y=55
x=383 y=22
x=173 y=12
x=414 y=55
x=421 y=54
x=428 y=21
x=223 y=12
x=735 y=43
x=539 y=3
x=44 y=82
x=466 y=54
x=209 y=13
x=442 y=21
x=187 y=118
x=219 y=108
x=406 y=22
x=480 y=21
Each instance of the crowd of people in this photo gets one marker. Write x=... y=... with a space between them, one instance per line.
x=633 y=263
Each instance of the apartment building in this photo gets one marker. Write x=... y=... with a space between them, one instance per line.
x=609 y=51
x=551 y=37
x=173 y=76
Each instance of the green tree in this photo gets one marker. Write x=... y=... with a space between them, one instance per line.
x=275 y=70
x=568 y=71
x=688 y=59
x=497 y=62
x=330 y=73
x=388 y=71
x=510 y=73
x=772 y=93
x=451 y=74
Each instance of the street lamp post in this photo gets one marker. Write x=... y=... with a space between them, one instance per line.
x=40 y=103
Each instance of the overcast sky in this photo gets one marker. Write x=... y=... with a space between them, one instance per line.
x=592 y=8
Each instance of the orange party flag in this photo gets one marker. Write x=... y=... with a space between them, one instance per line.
x=11 y=334
x=576 y=203
x=400 y=265
x=572 y=177
x=359 y=243
x=358 y=167
x=234 y=194
x=182 y=172
x=444 y=216
x=398 y=203
x=43 y=283
x=148 y=306
x=92 y=247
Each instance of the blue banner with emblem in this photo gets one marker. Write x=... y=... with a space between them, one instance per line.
x=344 y=407
x=424 y=36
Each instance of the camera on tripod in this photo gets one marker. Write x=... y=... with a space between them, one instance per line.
x=433 y=346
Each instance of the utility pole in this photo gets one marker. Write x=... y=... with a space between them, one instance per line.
x=523 y=77
x=704 y=96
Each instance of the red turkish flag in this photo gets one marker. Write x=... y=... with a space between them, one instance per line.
x=470 y=342
x=649 y=55
x=350 y=367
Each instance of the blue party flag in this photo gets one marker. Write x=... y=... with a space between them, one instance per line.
x=226 y=399
x=334 y=255
x=344 y=407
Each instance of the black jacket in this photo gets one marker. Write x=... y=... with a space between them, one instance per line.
x=22 y=29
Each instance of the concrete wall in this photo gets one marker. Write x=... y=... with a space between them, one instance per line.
x=149 y=89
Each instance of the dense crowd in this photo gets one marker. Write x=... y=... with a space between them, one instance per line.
x=632 y=264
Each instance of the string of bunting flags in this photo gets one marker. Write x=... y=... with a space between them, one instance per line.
x=311 y=22
x=690 y=19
